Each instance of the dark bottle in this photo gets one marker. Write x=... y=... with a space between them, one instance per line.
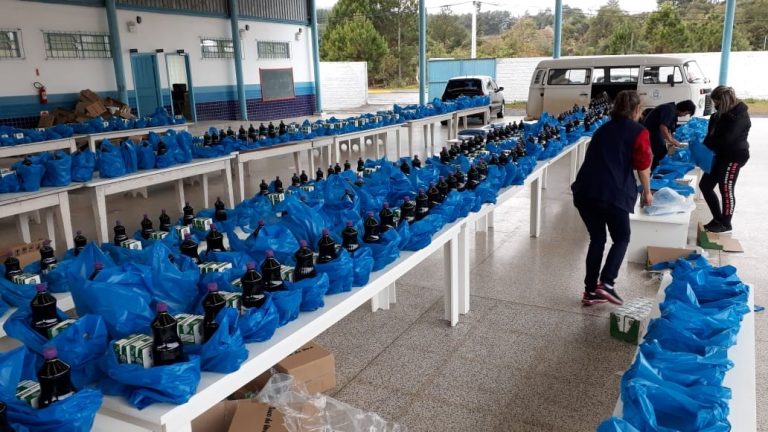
x=360 y=165
x=442 y=186
x=461 y=180
x=305 y=263
x=349 y=239
x=253 y=293
x=405 y=168
x=482 y=170
x=445 y=157
x=271 y=280
x=281 y=128
x=434 y=195
x=348 y=196
x=212 y=304
x=166 y=346
x=416 y=163
x=371 y=232
x=422 y=204
x=387 y=218
x=295 y=180
x=189 y=214
x=120 y=236
x=214 y=138
x=408 y=210
x=220 y=211
x=47 y=258
x=326 y=248
x=222 y=135
x=271 y=132
x=303 y=177
x=473 y=177
x=263 y=188
x=330 y=171
x=230 y=132
x=278 y=185
x=146 y=227
x=44 y=314
x=337 y=168
x=494 y=160
x=347 y=165
x=206 y=139
x=262 y=131
x=26 y=161
x=189 y=248
x=4 y=425
x=453 y=151
x=165 y=221
x=12 y=267
x=214 y=240
x=503 y=158
x=464 y=147
x=242 y=135
x=80 y=242
x=319 y=174
x=54 y=379
x=259 y=225
x=252 y=135
x=97 y=268
x=452 y=183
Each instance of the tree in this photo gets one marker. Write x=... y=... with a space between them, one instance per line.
x=752 y=22
x=665 y=31
x=354 y=40
x=445 y=29
x=707 y=35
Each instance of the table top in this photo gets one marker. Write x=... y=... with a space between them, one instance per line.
x=367 y=132
x=11 y=198
x=430 y=119
x=680 y=218
x=98 y=181
x=273 y=150
x=130 y=132
x=36 y=147
x=472 y=110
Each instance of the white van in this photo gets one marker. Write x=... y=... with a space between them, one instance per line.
x=558 y=84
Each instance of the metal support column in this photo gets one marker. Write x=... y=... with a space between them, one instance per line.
x=730 y=12
x=238 y=54
x=422 y=51
x=316 y=57
x=558 y=28
x=117 y=50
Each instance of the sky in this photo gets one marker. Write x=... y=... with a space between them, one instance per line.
x=519 y=7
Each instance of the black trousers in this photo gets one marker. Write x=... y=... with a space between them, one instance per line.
x=723 y=174
x=598 y=216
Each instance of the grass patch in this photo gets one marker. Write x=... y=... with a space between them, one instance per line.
x=757 y=106
x=515 y=105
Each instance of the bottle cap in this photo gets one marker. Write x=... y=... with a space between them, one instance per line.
x=50 y=353
x=441 y=178
x=42 y=287
x=251 y=265
x=161 y=307
x=162 y=211
x=370 y=214
x=386 y=204
x=303 y=243
x=213 y=227
x=187 y=236
x=349 y=223
x=79 y=232
x=421 y=190
x=117 y=222
x=46 y=242
x=269 y=253
x=261 y=222
x=407 y=199
x=326 y=232
x=218 y=198
x=187 y=203
x=277 y=177
x=213 y=287
x=98 y=265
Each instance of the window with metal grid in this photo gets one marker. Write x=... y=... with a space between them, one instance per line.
x=217 y=48
x=273 y=50
x=76 y=45
x=10 y=44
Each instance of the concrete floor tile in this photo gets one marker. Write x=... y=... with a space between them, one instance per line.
x=435 y=335
x=388 y=403
x=402 y=367
x=508 y=349
x=430 y=415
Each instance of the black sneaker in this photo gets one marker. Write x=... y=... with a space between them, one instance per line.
x=590 y=298
x=608 y=293
x=719 y=228
x=712 y=223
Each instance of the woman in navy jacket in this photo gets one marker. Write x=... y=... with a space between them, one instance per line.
x=727 y=138
x=605 y=193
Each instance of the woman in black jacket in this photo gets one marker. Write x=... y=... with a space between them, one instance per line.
x=727 y=138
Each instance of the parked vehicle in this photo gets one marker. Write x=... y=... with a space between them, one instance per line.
x=558 y=84
x=476 y=85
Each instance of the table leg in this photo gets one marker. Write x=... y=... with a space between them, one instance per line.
x=205 y=190
x=296 y=162
x=410 y=140
x=481 y=225
x=228 y=183
x=544 y=178
x=393 y=293
x=451 y=270
x=50 y=227
x=100 y=215
x=65 y=219
x=180 y=193
x=464 y=269
x=536 y=207
x=397 y=134
x=431 y=146
x=310 y=164
x=239 y=179
x=22 y=223
x=425 y=133
x=380 y=300
x=574 y=160
x=490 y=219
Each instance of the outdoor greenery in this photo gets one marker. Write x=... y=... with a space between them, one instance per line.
x=385 y=33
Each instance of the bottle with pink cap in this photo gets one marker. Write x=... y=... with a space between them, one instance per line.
x=387 y=218
x=213 y=303
x=305 y=263
x=80 y=242
x=44 y=314
x=326 y=247
x=166 y=347
x=54 y=379
x=146 y=227
x=253 y=292
x=272 y=279
x=214 y=240
x=120 y=235
x=97 y=268
x=47 y=259
x=371 y=229
x=349 y=238
x=189 y=248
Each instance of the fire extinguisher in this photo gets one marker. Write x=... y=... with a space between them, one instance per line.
x=42 y=93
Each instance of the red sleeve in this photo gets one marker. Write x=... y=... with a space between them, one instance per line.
x=641 y=153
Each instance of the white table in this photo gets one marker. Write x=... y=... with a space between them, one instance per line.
x=375 y=134
x=427 y=125
x=323 y=146
x=38 y=147
x=95 y=138
x=20 y=204
x=465 y=113
x=214 y=387
x=101 y=188
x=741 y=379
x=242 y=158
x=664 y=231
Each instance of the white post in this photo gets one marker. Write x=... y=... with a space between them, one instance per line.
x=475 y=10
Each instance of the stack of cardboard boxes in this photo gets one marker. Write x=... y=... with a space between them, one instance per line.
x=90 y=105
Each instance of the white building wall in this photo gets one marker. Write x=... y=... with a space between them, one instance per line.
x=344 y=84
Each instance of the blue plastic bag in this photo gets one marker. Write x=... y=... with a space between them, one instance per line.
x=58 y=170
x=80 y=345
x=174 y=383
x=386 y=250
x=304 y=222
x=362 y=265
x=339 y=271
x=30 y=176
x=288 y=303
x=111 y=162
x=16 y=295
x=687 y=369
x=422 y=232
x=616 y=424
x=259 y=324
x=312 y=292
x=225 y=351
x=145 y=156
x=276 y=237
x=130 y=159
x=73 y=414
x=10 y=183
x=173 y=283
x=83 y=165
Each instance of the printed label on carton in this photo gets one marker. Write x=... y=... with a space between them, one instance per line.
x=26 y=279
x=58 y=328
x=131 y=244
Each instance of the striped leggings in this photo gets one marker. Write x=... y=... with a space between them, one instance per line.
x=724 y=174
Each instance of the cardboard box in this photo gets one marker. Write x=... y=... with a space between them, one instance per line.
x=723 y=242
x=250 y=390
x=89 y=95
x=212 y=267
x=232 y=299
x=658 y=254
x=628 y=322
x=313 y=365
x=240 y=416
x=46 y=121
x=95 y=109
x=135 y=349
